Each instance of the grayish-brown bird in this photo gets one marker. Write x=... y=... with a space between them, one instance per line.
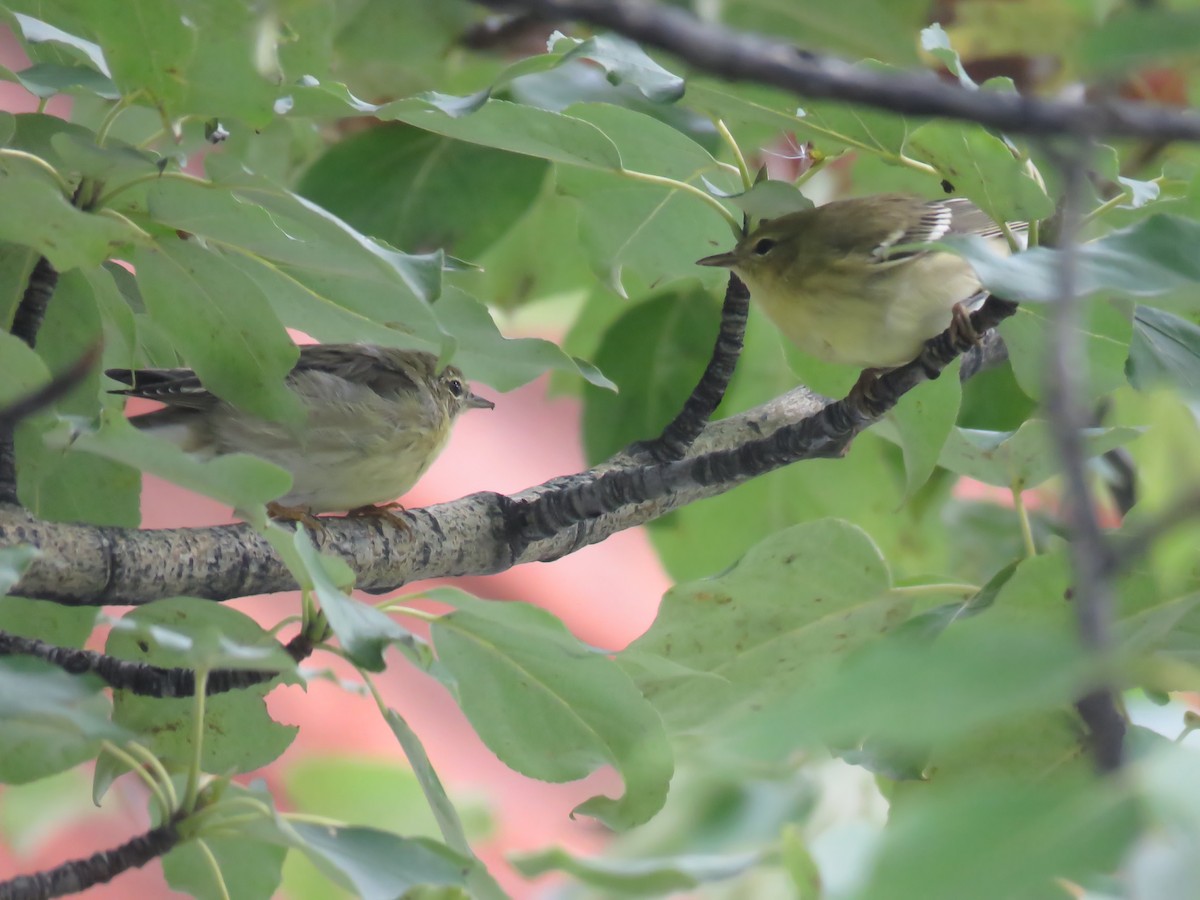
x=376 y=418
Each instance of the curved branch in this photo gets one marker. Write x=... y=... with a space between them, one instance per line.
x=742 y=56
x=99 y=868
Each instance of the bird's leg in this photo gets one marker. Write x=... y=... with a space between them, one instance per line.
x=383 y=511
x=866 y=381
x=301 y=514
x=962 y=333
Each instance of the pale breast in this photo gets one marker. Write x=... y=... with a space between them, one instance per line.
x=881 y=324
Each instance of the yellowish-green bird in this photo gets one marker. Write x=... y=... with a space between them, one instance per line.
x=844 y=283
x=376 y=418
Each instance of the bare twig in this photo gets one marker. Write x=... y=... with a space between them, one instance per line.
x=1091 y=556
x=748 y=57
x=52 y=391
x=143 y=679
x=99 y=868
x=683 y=430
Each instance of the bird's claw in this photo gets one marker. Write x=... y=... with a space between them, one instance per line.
x=298 y=514
x=382 y=511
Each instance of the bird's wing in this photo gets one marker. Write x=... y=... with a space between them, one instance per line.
x=939 y=219
x=385 y=371
x=174 y=387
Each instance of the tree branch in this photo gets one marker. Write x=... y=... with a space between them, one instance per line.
x=741 y=56
x=1092 y=558
x=99 y=868
x=477 y=535
x=143 y=679
x=26 y=322
x=683 y=430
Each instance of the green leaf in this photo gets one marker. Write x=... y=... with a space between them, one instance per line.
x=147 y=44
x=1154 y=256
x=250 y=867
x=1133 y=38
x=48 y=79
x=550 y=707
x=638 y=877
x=1023 y=458
x=377 y=865
x=783 y=617
x=965 y=841
x=52 y=721
x=512 y=127
x=222 y=325
x=924 y=419
x=34 y=213
x=56 y=483
x=237 y=479
x=936 y=43
x=363 y=631
x=486 y=355
x=238 y=733
x=479 y=881
x=422 y=191
x=35 y=31
x=14 y=561
x=45 y=620
x=1164 y=349
x=655 y=352
x=625 y=62
x=909 y=693
x=768 y=199
x=856 y=28
x=315 y=270
x=195 y=648
x=982 y=167
x=225 y=74
x=629 y=226
x=1105 y=331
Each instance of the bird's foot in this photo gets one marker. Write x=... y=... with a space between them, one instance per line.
x=382 y=511
x=962 y=333
x=298 y=514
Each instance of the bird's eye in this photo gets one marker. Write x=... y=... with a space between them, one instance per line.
x=456 y=387
x=764 y=246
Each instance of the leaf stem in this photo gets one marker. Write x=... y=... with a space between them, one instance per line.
x=954 y=588
x=673 y=184
x=10 y=153
x=150 y=176
x=193 y=777
x=130 y=760
x=1112 y=203
x=111 y=117
x=211 y=860
x=738 y=156
x=1023 y=517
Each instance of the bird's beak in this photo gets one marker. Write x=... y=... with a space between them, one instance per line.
x=474 y=401
x=725 y=260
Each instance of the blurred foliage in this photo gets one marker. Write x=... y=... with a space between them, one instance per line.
x=846 y=635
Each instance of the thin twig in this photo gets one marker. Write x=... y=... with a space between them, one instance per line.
x=683 y=430
x=742 y=56
x=1091 y=555
x=143 y=679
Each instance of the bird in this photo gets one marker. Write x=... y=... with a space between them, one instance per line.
x=375 y=419
x=849 y=282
